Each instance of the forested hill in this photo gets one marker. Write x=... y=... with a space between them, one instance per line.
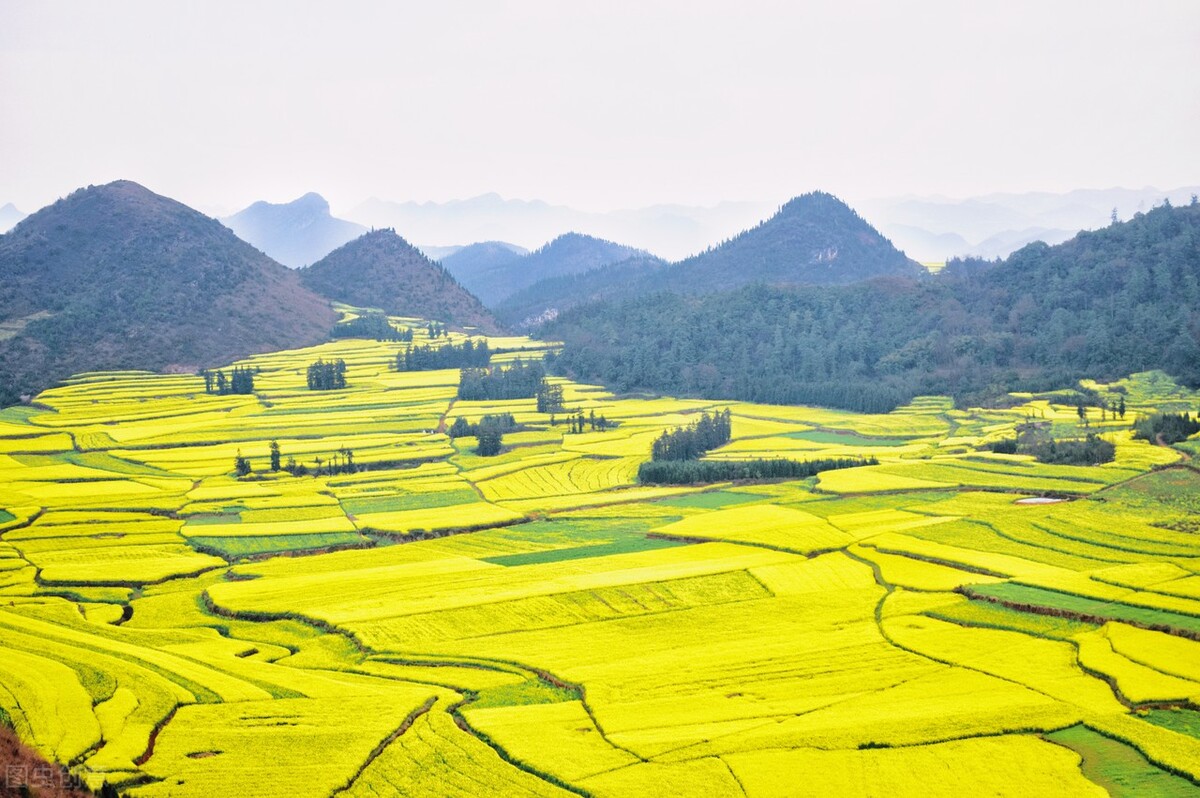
x=116 y=277
x=570 y=253
x=382 y=270
x=1104 y=304
x=475 y=260
x=545 y=299
x=814 y=239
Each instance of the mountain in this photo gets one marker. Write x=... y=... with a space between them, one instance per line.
x=466 y=263
x=570 y=253
x=814 y=239
x=294 y=233
x=546 y=299
x=674 y=231
x=9 y=216
x=1102 y=305
x=381 y=270
x=117 y=277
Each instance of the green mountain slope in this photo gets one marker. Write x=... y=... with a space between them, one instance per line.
x=382 y=270
x=117 y=277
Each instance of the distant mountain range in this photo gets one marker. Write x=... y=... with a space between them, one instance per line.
x=9 y=216
x=475 y=260
x=674 y=231
x=814 y=239
x=996 y=225
x=294 y=233
x=381 y=270
x=117 y=277
x=495 y=278
x=927 y=229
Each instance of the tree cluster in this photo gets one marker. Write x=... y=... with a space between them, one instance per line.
x=689 y=472
x=549 y=397
x=1092 y=450
x=578 y=422
x=690 y=442
x=371 y=325
x=518 y=380
x=461 y=428
x=1167 y=427
x=448 y=356
x=436 y=330
x=327 y=375
x=240 y=381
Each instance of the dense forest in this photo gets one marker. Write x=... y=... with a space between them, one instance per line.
x=518 y=380
x=1105 y=304
x=448 y=356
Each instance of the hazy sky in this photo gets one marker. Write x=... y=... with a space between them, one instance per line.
x=597 y=105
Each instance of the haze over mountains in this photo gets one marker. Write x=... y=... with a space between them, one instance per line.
x=570 y=253
x=294 y=233
x=924 y=228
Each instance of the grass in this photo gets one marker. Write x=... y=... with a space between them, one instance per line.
x=1081 y=606
x=623 y=545
x=1119 y=768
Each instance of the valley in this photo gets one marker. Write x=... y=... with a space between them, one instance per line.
x=431 y=621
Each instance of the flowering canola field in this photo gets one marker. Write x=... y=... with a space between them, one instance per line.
x=438 y=623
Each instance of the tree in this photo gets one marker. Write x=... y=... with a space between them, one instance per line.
x=275 y=465
x=461 y=428
x=241 y=465
x=549 y=397
x=491 y=440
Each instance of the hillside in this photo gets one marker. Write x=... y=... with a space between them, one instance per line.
x=117 y=277
x=1104 y=304
x=814 y=239
x=382 y=270
x=546 y=299
x=571 y=253
x=467 y=263
x=294 y=233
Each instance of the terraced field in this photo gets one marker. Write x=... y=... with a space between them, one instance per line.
x=537 y=624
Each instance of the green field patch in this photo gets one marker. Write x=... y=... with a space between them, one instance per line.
x=1035 y=598
x=1119 y=768
x=840 y=438
x=997 y=616
x=710 y=500
x=117 y=465
x=1177 y=719
x=214 y=518
x=532 y=691
x=393 y=502
x=6 y=516
x=275 y=544
x=623 y=545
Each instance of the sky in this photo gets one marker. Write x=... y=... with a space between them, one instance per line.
x=596 y=105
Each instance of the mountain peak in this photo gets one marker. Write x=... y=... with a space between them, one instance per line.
x=117 y=276
x=294 y=233
x=379 y=269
